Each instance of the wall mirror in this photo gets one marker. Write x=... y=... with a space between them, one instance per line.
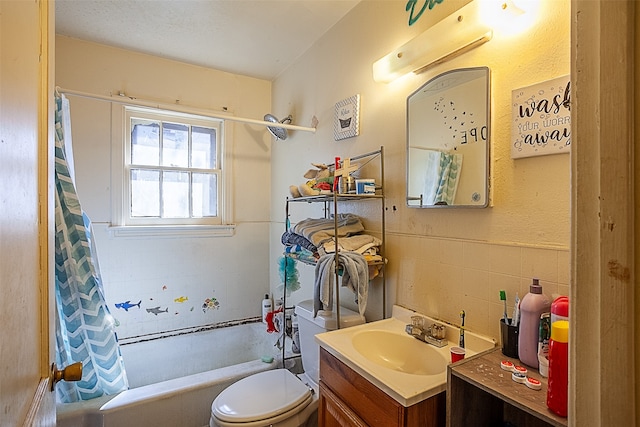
x=448 y=140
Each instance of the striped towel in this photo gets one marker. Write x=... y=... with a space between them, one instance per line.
x=320 y=230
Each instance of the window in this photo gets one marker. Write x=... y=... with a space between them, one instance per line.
x=172 y=173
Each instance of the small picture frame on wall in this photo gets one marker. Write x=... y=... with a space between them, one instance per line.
x=347 y=120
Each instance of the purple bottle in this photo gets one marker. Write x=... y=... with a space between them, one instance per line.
x=532 y=306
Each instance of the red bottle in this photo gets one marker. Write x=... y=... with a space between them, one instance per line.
x=558 y=368
x=560 y=309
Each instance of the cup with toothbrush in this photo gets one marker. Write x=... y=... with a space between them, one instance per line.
x=509 y=327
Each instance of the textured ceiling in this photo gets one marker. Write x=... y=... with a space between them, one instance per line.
x=258 y=38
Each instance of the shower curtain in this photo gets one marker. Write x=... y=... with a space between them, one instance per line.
x=442 y=173
x=84 y=327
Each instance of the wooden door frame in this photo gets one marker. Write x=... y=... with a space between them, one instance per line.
x=42 y=408
x=603 y=364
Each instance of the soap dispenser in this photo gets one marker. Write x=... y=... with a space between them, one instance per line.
x=532 y=306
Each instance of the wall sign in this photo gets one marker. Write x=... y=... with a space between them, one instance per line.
x=414 y=14
x=347 y=118
x=541 y=117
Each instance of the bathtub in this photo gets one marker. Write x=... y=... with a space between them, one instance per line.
x=174 y=377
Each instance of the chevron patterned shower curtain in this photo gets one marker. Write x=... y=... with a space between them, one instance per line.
x=450 y=165
x=441 y=176
x=84 y=326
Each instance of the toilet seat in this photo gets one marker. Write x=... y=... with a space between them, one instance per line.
x=267 y=396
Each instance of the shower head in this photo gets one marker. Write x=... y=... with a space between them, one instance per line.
x=278 y=132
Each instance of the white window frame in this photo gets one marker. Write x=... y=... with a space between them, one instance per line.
x=123 y=225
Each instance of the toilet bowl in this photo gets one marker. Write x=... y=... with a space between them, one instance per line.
x=278 y=398
x=271 y=398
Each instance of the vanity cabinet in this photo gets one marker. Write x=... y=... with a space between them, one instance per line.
x=347 y=399
x=480 y=392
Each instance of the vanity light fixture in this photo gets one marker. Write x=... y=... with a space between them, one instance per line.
x=454 y=35
x=509 y=18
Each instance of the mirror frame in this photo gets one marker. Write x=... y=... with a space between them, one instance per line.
x=487 y=175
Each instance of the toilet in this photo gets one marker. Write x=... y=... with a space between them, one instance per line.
x=277 y=397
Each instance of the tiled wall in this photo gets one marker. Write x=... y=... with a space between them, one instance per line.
x=439 y=277
x=182 y=282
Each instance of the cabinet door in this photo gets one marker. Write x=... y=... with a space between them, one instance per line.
x=361 y=396
x=333 y=412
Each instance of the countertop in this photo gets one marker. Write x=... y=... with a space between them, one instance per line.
x=407 y=389
x=484 y=372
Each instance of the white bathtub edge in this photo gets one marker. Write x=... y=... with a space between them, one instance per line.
x=168 y=388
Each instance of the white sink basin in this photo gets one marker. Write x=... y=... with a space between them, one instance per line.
x=401 y=353
x=405 y=368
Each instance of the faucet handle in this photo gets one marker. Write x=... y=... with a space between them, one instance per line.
x=437 y=331
x=417 y=322
x=413 y=330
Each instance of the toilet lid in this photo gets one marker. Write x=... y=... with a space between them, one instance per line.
x=260 y=396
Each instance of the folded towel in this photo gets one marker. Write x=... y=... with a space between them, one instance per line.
x=320 y=230
x=359 y=243
x=355 y=276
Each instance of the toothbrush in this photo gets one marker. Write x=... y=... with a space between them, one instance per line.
x=516 y=312
x=461 y=343
x=503 y=298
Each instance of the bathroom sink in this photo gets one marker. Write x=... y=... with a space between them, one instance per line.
x=402 y=366
x=399 y=352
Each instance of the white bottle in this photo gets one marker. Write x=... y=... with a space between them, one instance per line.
x=267 y=306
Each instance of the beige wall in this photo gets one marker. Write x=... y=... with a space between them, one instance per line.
x=98 y=69
x=440 y=261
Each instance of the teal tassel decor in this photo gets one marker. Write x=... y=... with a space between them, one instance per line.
x=288 y=269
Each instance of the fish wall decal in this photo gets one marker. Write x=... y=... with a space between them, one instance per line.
x=181 y=299
x=156 y=310
x=127 y=305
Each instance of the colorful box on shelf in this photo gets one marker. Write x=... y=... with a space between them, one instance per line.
x=365 y=186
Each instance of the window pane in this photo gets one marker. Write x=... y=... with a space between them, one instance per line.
x=203 y=148
x=205 y=195
x=175 y=145
x=145 y=142
x=173 y=169
x=145 y=193
x=175 y=194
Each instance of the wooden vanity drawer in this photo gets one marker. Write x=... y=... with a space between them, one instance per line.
x=333 y=412
x=345 y=391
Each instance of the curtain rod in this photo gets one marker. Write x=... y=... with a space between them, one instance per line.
x=128 y=100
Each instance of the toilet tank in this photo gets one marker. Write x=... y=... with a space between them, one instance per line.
x=308 y=327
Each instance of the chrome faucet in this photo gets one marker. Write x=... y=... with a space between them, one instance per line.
x=433 y=334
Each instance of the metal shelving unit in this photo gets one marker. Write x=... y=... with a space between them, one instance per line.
x=332 y=203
